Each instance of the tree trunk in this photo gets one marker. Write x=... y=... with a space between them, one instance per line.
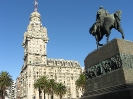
x=44 y=94
x=52 y=96
x=3 y=94
x=82 y=91
x=60 y=96
x=39 y=93
x=48 y=96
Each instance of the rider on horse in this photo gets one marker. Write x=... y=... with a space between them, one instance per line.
x=104 y=24
x=101 y=13
x=99 y=17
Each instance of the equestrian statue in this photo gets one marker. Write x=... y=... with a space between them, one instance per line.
x=104 y=23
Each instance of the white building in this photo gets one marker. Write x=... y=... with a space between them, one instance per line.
x=12 y=91
x=37 y=64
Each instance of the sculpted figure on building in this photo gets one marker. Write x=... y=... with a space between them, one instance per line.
x=109 y=65
x=103 y=67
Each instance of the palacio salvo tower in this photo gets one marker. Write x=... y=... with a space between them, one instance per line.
x=36 y=63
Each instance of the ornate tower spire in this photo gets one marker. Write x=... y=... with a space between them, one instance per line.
x=35 y=5
x=35 y=41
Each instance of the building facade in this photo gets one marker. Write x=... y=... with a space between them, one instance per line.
x=37 y=64
x=12 y=91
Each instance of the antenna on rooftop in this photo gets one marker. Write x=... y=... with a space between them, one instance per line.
x=35 y=5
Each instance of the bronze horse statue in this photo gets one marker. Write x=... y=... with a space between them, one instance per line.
x=104 y=27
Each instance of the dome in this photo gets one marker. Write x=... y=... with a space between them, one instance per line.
x=35 y=14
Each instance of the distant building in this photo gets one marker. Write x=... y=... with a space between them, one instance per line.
x=36 y=64
x=18 y=86
x=7 y=93
x=12 y=91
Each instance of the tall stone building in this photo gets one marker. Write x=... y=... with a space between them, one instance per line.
x=36 y=63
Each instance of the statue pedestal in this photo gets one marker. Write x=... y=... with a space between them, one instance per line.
x=109 y=71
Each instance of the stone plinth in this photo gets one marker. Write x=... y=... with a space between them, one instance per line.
x=109 y=71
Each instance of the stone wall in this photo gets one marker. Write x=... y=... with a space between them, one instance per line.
x=110 y=67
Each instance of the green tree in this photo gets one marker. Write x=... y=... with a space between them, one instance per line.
x=0 y=93
x=60 y=90
x=41 y=85
x=52 y=84
x=37 y=86
x=48 y=90
x=5 y=82
x=80 y=82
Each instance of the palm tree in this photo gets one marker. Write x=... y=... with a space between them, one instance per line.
x=52 y=87
x=40 y=84
x=48 y=90
x=0 y=93
x=5 y=82
x=60 y=90
x=37 y=86
x=80 y=82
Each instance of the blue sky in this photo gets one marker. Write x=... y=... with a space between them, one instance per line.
x=68 y=23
